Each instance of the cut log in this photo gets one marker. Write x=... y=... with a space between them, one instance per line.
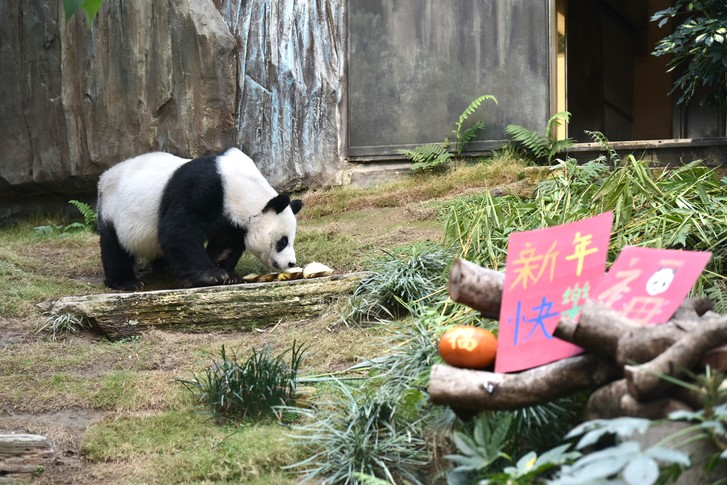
x=23 y=454
x=642 y=344
x=613 y=400
x=598 y=329
x=692 y=308
x=232 y=307
x=477 y=287
x=481 y=390
x=716 y=359
x=643 y=380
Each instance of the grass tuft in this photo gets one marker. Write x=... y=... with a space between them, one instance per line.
x=251 y=389
x=63 y=324
x=413 y=275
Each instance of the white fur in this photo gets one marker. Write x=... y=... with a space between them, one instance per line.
x=131 y=191
x=246 y=193
x=130 y=194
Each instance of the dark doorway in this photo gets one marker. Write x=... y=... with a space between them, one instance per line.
x=614 y=84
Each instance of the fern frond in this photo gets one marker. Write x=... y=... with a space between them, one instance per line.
x=558 y=119
x=560 y=146
x=429 y=156
x=89 y=215
x=469 y=134
x=533 y=142
x=606 y=146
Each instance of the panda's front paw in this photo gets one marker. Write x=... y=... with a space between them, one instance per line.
x=210 y=277
x=233 y=279
x=126 y=285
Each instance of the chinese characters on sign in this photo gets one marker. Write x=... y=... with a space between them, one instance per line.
x=647 y=285
x=549 y=273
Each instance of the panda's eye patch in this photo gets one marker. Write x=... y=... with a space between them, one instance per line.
x=281 y=244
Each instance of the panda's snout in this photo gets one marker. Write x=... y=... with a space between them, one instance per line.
x=277 y=265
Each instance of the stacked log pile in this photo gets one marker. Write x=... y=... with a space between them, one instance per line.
x=623 y=362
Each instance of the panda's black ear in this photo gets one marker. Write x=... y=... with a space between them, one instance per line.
x=296 y=205
x=278 y=203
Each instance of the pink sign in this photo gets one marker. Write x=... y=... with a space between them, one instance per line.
x=548 y=273
x=647 y=285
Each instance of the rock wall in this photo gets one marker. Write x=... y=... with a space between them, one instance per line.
x=185 y=76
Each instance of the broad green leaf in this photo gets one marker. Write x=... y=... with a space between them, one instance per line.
x=641 y=470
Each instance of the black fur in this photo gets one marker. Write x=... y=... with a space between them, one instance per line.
x=190 y=213
x=118 y=264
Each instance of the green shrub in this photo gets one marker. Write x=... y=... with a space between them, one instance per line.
x=697 y=48
x=251 y=389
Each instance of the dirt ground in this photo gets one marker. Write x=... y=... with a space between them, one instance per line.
x=161 y=357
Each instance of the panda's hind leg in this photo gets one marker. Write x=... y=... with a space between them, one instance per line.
x=118 y=264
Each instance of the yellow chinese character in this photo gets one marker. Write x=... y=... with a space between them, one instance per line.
x=531 y=266
x=581 y=250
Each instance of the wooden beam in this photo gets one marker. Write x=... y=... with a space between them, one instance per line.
x=228 y=307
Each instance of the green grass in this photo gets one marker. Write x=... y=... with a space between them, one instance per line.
x=118 y=391
x=503 y=168
x=182 y=446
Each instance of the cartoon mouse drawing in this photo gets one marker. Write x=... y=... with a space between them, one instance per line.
x=660 y=281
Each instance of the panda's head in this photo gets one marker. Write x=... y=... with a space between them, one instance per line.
x=271 y=234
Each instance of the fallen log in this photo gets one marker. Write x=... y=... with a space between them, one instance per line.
x=22 y=454
x=481 y=390
x=230 y=307
x=477 y=287
x=613 y=400
x=644 y=381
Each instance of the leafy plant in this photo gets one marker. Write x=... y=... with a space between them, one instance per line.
x=251 y=389
x=611 y=156
x=531 y=467
x=433 y=156
x=63 y=324
x=542 y=146
x=89 y=215
x=698 y=48
x=627 y=460
x=482 y=449
x=360 y=433
x=414 y=275
x=532 y=428
x=429 y=157
x=88 y=224
x=462 y=138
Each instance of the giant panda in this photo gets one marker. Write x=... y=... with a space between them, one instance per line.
x=160 y=207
